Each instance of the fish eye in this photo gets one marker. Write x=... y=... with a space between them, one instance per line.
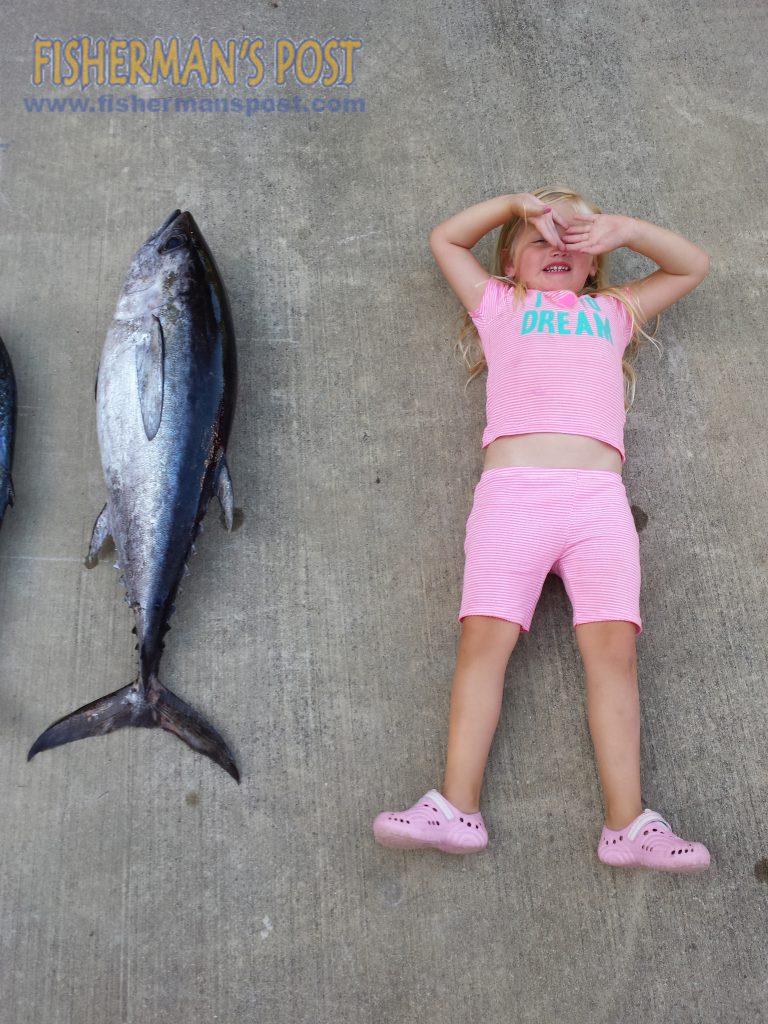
x=173 y=243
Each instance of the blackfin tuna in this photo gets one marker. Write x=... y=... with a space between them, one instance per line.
x=165 y=397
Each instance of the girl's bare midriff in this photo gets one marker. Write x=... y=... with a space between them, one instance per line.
x=564 y=451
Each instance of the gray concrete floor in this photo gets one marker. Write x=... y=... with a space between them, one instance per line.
x=139 y=883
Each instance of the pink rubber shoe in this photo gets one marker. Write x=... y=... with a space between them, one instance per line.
x=434 y=822
x=649 y=842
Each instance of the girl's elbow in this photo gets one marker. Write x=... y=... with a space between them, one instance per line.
x=699 y=265
x=438 y=240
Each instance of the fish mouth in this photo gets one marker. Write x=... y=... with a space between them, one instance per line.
x=179 y=221
x=174 y=220
x=188 y=224
x=167 y=223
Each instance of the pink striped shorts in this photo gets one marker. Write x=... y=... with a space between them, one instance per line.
x=528 y=521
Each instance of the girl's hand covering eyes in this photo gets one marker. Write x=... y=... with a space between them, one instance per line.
x=542 y=216
x=595 y=233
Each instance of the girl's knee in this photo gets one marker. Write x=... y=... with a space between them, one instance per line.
x=608 y=645
x=482 y=634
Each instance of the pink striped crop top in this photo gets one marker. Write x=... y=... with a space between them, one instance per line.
x=554 y=363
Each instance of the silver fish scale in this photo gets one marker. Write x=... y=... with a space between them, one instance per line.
x=143 y=477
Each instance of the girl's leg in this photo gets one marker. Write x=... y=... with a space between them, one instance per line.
x=608 y=650
x=478 y=685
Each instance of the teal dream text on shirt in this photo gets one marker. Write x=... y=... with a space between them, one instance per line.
x=560 y=321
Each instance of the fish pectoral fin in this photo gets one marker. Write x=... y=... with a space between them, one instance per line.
x=102 y=531
x=225 y=493
x=150 y=376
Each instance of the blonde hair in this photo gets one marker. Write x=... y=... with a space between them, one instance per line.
x=468 y=342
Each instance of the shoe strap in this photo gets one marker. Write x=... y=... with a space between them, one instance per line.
x=644 y=819
x=442 y=803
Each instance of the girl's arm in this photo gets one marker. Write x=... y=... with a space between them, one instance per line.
x=452 y=240
x=683 y=266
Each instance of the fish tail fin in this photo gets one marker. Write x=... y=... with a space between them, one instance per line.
x=130 y=706
x=180 y=718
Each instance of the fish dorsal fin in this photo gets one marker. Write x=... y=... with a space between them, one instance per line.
x=150 y=359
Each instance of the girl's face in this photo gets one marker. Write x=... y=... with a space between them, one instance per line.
x=533 y=254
